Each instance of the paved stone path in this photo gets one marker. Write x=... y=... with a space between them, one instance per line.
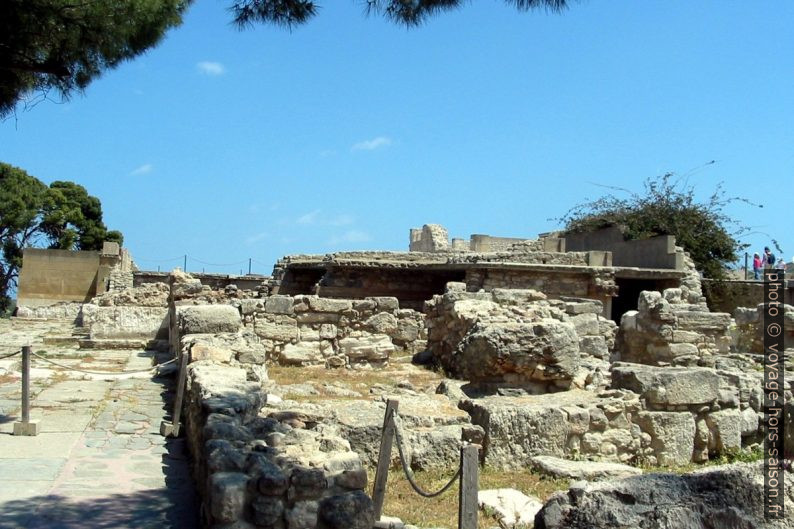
x=99 y=460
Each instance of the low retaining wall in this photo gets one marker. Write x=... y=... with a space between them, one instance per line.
x=274 y=472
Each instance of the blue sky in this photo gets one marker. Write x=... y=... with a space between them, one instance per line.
x=344 y=133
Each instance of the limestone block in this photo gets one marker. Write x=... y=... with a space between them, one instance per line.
x=594 y=346
x=582 y=307
x=512 y=507
x=207 y=352
x=277 y=332
x=302 y=354
x=352 y=479
x=385 y=303
x=382 y=323
x=208 y=319
x=227 y=496
x=328 y=331
x=516 y=296
x=677 y=350
x=750 y=421
x=309 y=318
x=544 y=350
x=729 y=496
x=725 y=430
x=672 y=435
x=588 y=470
x=668 y=386
x=351 y=510
x=703 y=321
x=268 y=511
x=585 y=324
x=374 y=347
x=318 y=304
x=279 y=304
x=251 y=306
x=407 y=331
x=307 y=334
x=303 y=515
x=516 y=430
x=125 y=322
x=578 y=419
x=687 y=336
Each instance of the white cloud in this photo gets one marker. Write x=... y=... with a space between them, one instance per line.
x=342 y=220
x=144 y=169
x=350 y=236
x=308 y=218
x=371 y=145
x=257 y=237
x=211 y=68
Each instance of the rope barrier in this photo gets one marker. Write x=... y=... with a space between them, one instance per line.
x=9 y=355
x=103 y=372
x=409 y=473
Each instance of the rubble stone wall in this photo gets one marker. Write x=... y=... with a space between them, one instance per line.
x=277 y=471
x=312 y=330
x=667 y=329
x=650 y=415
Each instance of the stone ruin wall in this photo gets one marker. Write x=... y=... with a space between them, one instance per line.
x=543 y=376
x=308 y=330
x=519 y=337
x=272 y=471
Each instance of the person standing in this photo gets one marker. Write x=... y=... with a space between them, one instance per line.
x=769 y=258
x=758 y=266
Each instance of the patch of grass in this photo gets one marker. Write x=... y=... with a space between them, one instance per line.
x=402 y=502
x=726 y=458
x=356 y=379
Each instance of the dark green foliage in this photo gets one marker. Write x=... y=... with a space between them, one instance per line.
x=62 y=216
x=409 y=12
x=65 y=44
x=667 y=206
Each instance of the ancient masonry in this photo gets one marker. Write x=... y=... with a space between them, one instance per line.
x=547 y=353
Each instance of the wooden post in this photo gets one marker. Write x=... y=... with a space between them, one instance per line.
x=26 y=426
x=384 y=457
x=469 y=486
x=172 y=429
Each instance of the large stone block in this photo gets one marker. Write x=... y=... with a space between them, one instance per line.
x=276 y=331
x=374 y=347
x=125 y=322
x=227 y=496
x=725 y=430
x=516 y=429
x=724 y=497
x=208 y=319
x=540 y=351
x=672 y=435
x=703 y=321
x=668 y=386
x=279 y=305
x=302 y=354
x=317 y=304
